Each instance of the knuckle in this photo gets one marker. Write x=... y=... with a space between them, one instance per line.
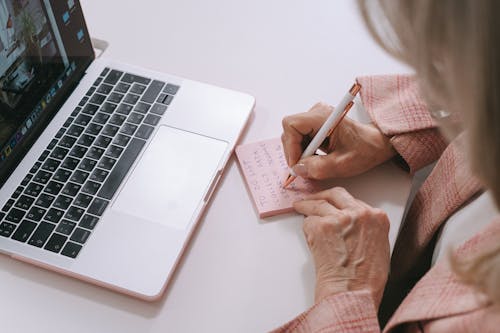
x=286 y=121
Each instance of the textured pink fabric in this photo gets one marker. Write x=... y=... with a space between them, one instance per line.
x=394 y=105
x=438 y=303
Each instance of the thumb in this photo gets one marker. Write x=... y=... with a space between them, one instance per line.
x=319 y=166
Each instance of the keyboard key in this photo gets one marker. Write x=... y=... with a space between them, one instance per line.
x=78 y=151
x=171 y=89
x=90 y=109
x=53 y=188
x=158 y=109
x=82 y=200
x=59 y=153
x=98 y=99
x=113 y=76
x=128 y=129
x=71 y=250
x=67 y=141
x=115 y=97
x=106 y=163
x=99 y=175
x=80 y=235
x=105 y=89
x=95 y=153
x=152 y=119
x=24 y=231
x=52 y=144
x=70 y=163
x=110 y=130
x=121 y=140
x=135 y=118
x=8 y=205
x=44 y=155
x=114 y=151
x=41 y=234
x=60 y=133
x=87 y=164
x=101 y=118
x=54 y=215
x=144 y=132
x=75 y=130
x=82 y=120
x=142 y=107
x=122 y=87
x=152 y=92
x=131 y=78
x=74 y=213
x=122 y=167
x=76 y=111
x=42 y=177
x=98 y=81
x=62 y=175
x=15 y=215
x=44 y=200
x=62 y=202
x=104 y=71
x=50 y=165
x=91 y=187
x=65 y=227
x=103 y=141
x=88 y=222
x=24 y=202
x=68 y=122
x=131 y=99
x=117 y=119
x=26 y=179
x=138 y=89
x=55 y=243
x=79 y=176
x=20 y=190
x=108 y=107
x=71 y=189
x=33 y=189
x=93 y=129
x=124 y=109
x=83 y=101
x=6 y=229
x=97 y=206
x=167 y=100
x=35 y=167
x=86 y=140
x=36 y=213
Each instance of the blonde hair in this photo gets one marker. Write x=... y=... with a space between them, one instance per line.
x=454 y=47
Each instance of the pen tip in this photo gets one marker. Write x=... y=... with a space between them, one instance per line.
x=288 y=181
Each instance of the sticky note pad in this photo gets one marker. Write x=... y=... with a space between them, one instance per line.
x=265 y=169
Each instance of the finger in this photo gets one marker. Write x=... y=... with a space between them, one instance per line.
x=333 y=165
x=315 y=208
x=337 y=196
x=300 y=126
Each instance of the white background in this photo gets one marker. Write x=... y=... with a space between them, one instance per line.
x=239 y=274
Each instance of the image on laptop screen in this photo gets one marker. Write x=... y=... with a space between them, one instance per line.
x=35 y=67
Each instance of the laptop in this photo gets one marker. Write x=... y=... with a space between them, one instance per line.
x=105 y=168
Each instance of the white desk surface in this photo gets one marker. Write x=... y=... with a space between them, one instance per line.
x=239 y=274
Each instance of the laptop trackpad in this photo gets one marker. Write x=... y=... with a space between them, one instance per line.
x=172 y=177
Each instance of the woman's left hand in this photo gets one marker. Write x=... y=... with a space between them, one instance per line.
x=349 y=243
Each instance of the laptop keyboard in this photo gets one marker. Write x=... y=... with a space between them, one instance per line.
x=60 y=201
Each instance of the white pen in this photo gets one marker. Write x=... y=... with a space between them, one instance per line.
x=328 y=127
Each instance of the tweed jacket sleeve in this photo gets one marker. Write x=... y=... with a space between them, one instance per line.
x=396 y=107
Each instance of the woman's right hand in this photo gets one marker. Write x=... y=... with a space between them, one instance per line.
x=353 y=147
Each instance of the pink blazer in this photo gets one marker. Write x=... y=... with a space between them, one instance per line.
x=438 y=302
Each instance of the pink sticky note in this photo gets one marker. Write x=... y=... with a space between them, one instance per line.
x=265 y=169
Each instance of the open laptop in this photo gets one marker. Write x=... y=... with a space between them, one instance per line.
x=105 y=168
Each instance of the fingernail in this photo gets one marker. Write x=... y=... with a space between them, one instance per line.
x=300 y=169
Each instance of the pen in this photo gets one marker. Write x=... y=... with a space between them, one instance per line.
x=327 y=128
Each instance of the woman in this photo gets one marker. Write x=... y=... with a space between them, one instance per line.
x=454 y=47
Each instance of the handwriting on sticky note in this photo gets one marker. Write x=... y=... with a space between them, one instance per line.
x=265 y=169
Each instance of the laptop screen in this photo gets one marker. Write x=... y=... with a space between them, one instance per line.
x=44 y=50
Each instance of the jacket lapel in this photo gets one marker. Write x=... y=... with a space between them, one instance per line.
x=440 y=293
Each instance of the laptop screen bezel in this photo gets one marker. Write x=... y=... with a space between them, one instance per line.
x=17 y=155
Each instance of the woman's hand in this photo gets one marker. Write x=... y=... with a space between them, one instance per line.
x=353 y=147
x=349 y=243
